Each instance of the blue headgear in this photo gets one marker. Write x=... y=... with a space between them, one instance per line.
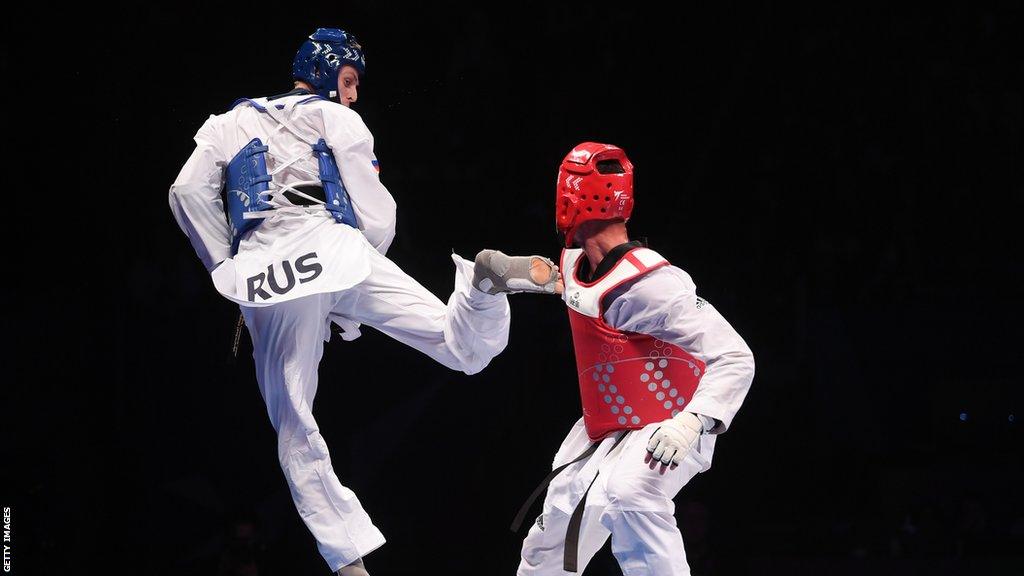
x=320 y=58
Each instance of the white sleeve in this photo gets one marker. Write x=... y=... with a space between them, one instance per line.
x=195 y=198
x=665 y=305
x=375 y=208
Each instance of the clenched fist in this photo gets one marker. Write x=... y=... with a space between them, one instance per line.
x=675 y=438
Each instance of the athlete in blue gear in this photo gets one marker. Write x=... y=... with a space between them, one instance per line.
x=305 y=245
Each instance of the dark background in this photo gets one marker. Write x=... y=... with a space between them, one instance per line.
x=843 y=183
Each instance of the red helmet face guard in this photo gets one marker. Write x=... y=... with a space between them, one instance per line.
x=595 y=182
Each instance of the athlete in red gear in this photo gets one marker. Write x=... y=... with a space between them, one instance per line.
x=661 y=375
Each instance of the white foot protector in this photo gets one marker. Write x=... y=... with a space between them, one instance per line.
x=495 y=272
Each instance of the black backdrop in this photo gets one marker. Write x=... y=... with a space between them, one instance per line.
x=843 y=183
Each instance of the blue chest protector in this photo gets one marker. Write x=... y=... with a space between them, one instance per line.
x=247 y=181
x=338 y=202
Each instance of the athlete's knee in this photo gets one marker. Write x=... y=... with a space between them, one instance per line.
x=539 y=549
x=301 y=448
x=637 y=494
x=304 y=467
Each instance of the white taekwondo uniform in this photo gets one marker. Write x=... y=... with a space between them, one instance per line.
x=631 y=496
x=289 y=298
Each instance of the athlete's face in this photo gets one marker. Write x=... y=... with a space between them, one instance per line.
x=348 y=82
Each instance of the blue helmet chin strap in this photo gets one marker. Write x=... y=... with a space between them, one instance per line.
x=321 y=56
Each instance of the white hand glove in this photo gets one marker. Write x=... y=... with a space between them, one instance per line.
x=675 y=438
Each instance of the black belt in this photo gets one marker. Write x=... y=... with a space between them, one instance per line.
x=314 y=191
x=572 y=533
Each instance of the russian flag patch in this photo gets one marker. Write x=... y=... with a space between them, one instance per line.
x=376 y=166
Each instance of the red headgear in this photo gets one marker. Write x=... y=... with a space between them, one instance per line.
x=595 y=182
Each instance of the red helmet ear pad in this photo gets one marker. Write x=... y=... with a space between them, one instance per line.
x=595 y=182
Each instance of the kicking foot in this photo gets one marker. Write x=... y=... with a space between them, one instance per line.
x=495 y=272
x=354 y=569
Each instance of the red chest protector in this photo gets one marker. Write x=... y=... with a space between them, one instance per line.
x=627 y=379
